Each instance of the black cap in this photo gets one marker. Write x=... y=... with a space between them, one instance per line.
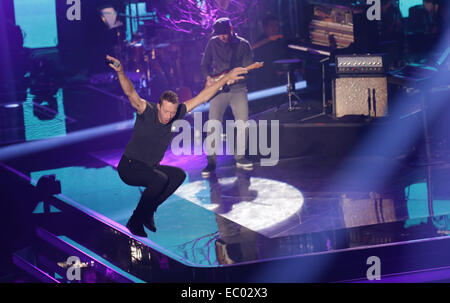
x=222 y=26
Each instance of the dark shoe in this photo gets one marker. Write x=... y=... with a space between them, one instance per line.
x=244 y=164
x=150 y=223
x=135 y=226
x=206 y=172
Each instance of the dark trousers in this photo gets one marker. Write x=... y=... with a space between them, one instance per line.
x=160 y=182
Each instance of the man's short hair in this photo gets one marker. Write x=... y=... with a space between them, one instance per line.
x=222 y=26
x=169 y=96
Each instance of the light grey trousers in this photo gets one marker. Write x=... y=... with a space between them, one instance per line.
x=238 y=101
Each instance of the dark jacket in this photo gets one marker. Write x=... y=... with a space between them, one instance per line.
x=218 y=56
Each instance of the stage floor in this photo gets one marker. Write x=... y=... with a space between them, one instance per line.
x=297 y=207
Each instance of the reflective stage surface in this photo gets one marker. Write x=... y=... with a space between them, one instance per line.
x=238 y=216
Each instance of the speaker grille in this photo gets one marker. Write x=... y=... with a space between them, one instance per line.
x=351 y=96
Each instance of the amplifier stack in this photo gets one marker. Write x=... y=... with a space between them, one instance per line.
x=360 y=86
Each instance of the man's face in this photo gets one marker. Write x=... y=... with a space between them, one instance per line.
x=166 y=111
x=272 y=28
x=224 y=38
x=429 y=6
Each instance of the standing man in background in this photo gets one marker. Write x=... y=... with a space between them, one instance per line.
x=225 y=51
x=270 y=47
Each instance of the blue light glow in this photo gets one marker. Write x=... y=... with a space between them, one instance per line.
x=37 y=19
x=36 y=128
x=405 y=5
x=265 y=93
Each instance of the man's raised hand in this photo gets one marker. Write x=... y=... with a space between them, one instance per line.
x=116 y=65
x=235 y=74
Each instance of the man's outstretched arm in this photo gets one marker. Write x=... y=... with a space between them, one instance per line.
x=137 y=102
x=208 y=92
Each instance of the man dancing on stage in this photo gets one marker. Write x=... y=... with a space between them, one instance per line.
x=224 y=51
x=139 y=165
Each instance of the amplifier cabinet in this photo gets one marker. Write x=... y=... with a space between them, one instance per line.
x=360 y=95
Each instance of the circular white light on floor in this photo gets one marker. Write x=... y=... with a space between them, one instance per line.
x=255 y=203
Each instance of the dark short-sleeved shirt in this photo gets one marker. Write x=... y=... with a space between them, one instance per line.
x=151 y=138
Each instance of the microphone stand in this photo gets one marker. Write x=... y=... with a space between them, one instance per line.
x=324 y=99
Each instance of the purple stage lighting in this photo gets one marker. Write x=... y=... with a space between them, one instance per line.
x=198 y=15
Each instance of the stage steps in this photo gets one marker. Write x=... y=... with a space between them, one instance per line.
x=59 y=259
x=60 y=220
